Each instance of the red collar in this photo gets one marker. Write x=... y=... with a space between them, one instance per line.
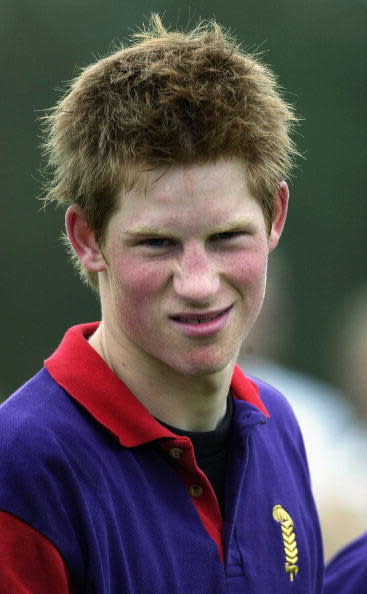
x=78 y=368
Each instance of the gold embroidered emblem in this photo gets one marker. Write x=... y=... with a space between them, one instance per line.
x=289 y=540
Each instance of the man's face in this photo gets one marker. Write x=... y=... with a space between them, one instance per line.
x=186 y=256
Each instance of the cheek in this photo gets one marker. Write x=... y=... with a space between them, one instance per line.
x=133 y=304
x=249 y=268
x=250 y=278
x=135 y=285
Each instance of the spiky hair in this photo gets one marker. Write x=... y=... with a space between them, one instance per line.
x=170 y=97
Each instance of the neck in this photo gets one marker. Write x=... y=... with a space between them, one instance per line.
x=190 y=403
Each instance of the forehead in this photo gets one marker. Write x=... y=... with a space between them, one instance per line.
x=188 y=194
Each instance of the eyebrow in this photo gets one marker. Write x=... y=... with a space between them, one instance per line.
x=146 y=231
x=158 y=231
x=234 y=226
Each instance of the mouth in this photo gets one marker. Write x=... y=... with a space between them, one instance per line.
x=199 y=318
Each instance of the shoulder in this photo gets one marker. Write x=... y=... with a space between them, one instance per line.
x=311 y=399
x=30 y=422
x=260 y=395
x=30 y=399
x=347 y=571
x=276 y=428
x=268 y=404
x=36 y=411
x=51 y=452
x=281 y=433
x=43 y=432
x=275 y=401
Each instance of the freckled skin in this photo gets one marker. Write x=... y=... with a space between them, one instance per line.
x=143 y=285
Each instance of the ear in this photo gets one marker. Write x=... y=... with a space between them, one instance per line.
x=279 y=216
x=82 y=239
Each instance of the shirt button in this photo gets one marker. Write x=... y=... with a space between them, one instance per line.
x=196 y=490
x=176 y=453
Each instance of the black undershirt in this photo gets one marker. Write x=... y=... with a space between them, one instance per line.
x=210 y=449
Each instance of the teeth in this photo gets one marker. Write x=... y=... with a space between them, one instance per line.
x=188 y=321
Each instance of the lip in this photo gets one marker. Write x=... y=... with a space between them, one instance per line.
x=205 y=328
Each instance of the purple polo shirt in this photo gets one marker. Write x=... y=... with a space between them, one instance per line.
x=122 y=500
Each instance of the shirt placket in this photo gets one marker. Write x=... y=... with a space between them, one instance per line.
x=239 y=454
x=199 y=489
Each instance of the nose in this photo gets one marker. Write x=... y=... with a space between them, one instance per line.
x=196 y=278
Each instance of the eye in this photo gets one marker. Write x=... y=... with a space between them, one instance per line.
x=156 y=242
x=227 y=235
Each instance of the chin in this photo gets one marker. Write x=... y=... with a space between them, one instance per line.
x=203 y=368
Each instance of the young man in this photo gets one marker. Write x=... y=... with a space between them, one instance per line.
x=140 y=459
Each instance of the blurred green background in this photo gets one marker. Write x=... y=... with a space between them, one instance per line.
x=317 y=47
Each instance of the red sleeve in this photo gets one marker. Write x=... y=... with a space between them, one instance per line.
x=29 y=563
